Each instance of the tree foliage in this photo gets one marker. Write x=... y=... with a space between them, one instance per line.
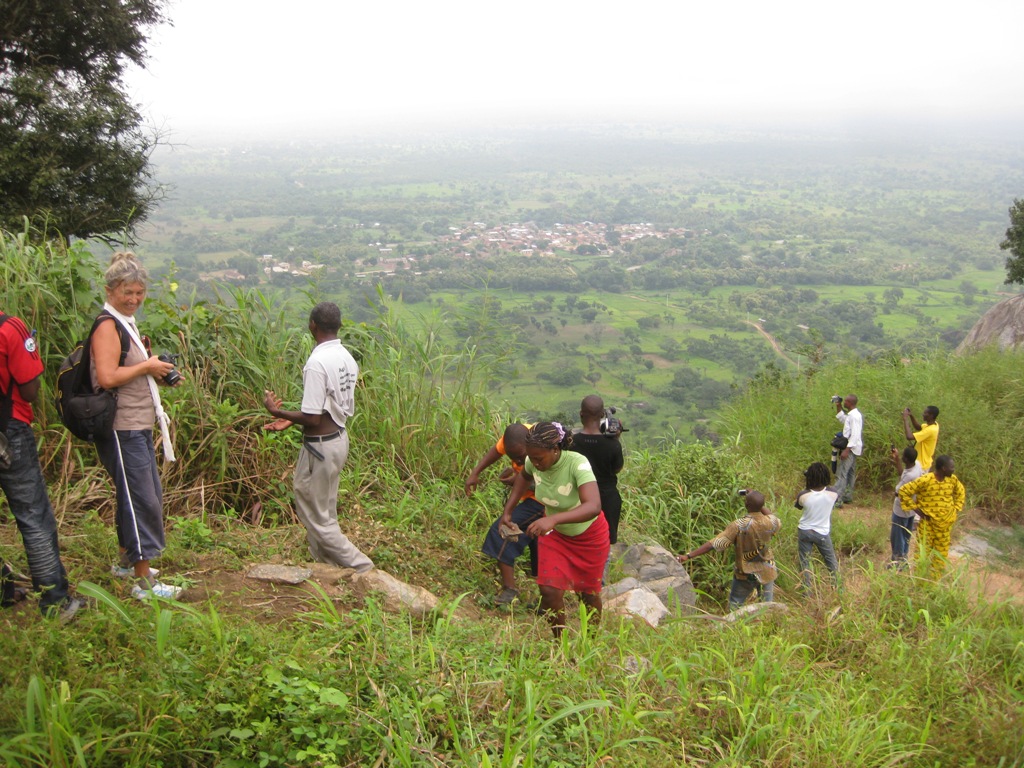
x=1014 y=243
x=74 y=154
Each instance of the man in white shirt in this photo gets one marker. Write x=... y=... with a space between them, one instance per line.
x=853 y=428
x=328 y=400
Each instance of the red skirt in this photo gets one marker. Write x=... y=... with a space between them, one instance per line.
x=574 y=563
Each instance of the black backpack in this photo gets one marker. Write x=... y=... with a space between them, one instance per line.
x=87 y=413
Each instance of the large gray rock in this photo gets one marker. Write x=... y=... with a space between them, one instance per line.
x=658 y=570
x=970 y=544
x=640 y=602
x=676 y=592
x=398 y=596
x=1002 y=325
x=619 y=588
x=330 y=573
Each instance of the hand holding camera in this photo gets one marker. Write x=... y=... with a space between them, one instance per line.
x=610 y=425
x=837 y=399
x=172 y=377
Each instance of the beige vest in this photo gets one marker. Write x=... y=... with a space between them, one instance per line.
x=135 y=409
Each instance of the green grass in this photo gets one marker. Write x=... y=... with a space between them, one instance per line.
x=906 y=675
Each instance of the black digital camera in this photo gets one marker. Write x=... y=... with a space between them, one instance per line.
x=173 y=376
x=610 y=425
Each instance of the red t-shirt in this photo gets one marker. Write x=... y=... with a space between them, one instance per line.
x=19 y=364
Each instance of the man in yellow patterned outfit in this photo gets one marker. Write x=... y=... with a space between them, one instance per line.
x=940 y=497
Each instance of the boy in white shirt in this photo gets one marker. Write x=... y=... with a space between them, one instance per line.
x=814 y=528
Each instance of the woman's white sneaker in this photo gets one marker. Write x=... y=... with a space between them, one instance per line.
x=155 y=589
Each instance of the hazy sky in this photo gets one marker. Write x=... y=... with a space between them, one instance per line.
x=252 y=66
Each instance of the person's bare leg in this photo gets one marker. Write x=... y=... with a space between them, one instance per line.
x=508 y=575
x=552 y=602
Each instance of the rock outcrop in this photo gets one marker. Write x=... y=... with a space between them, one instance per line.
x=654 y=586
x=274 y=573
x=396 y=595
x=1002 y=325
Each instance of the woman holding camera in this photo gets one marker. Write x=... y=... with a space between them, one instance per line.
x=121 y=360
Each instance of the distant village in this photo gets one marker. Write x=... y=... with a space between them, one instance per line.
x=526 y=239
x=472 y=240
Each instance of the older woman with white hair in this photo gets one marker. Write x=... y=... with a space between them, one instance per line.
x=122 y=361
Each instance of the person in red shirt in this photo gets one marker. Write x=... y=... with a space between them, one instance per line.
x=21 y=476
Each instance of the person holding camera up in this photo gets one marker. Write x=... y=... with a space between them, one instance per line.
x=814 y=531
x=122 y=360
x=925 y=434
x=853 y=428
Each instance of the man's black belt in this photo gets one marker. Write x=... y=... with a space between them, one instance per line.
x=322 y=438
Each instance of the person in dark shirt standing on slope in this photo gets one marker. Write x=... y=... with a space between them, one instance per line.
x=605 y=453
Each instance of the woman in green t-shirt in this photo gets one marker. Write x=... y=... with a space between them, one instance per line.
x=572 y=536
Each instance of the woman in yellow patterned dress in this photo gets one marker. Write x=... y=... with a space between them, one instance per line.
x=940 y=497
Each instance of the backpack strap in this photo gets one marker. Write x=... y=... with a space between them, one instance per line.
x=86 y=364
x=82 y=382
x=122 y=334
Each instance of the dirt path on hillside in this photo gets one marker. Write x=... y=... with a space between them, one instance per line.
x=772 y=341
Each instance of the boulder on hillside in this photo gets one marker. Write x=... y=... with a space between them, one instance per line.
x=658 y=570
x=640 y=602
x=1002 y=325
x=398 y=596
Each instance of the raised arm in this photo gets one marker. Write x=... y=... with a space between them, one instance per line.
x=910 y=424
x=473 y=480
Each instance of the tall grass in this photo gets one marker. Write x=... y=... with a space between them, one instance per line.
x=418 y=404
x=783 y=423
